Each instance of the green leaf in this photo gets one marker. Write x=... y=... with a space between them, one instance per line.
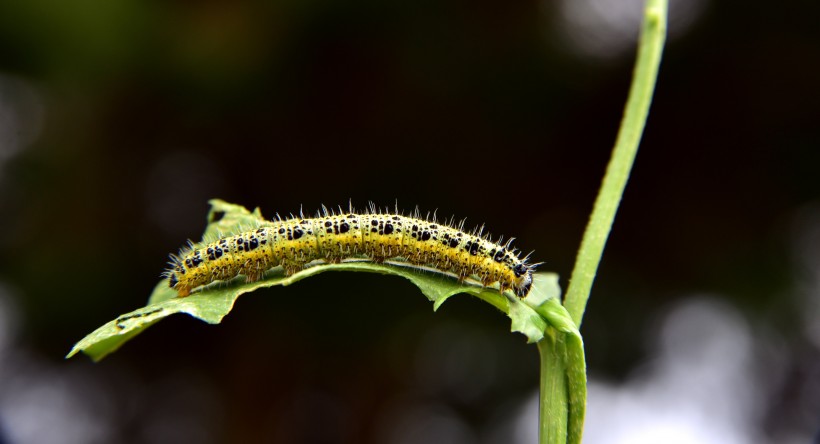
x=213 y=302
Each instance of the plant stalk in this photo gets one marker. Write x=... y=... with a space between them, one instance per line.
x=562 y=400
x=554 y=407
x=650 y=48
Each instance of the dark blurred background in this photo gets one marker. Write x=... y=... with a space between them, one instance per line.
x=120 y=119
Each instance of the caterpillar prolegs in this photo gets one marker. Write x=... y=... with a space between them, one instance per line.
x=294 y=243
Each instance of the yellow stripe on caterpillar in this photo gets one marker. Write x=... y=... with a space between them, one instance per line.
x=293 y=243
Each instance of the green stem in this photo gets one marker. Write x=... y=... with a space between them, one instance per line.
x=553 y=402
x=563 y=377
x=563 y=373
x=650 y=48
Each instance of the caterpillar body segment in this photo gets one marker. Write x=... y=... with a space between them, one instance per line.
x=294 y=243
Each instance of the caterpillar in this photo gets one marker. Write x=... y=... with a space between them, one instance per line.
x=295 y=242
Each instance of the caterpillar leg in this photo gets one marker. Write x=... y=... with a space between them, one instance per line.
x=503 y=287
x=256 y=270
x=292 y=268
x=486 y=280
x=253 y=277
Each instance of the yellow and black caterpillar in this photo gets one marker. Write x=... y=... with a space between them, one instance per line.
x=293 y=243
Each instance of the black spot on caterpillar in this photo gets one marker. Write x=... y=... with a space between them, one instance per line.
x=294 y=243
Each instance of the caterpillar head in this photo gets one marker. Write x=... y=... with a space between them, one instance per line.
x=175 y=273
x=172 y=279
x=174 y=270
x=523 y=280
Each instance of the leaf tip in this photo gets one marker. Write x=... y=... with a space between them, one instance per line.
x=438 y=302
